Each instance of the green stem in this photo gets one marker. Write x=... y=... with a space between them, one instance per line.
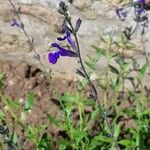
x=92 y=86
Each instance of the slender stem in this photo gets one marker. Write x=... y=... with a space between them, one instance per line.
x=92 y=86
x=107 y=72
x=143 y=47
x=81 y=62
x=134 y=29
x=29 y=40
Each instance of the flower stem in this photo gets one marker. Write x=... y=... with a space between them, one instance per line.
x=92 y=86
x=29 y=40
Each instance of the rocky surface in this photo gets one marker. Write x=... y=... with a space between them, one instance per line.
x=42 y=23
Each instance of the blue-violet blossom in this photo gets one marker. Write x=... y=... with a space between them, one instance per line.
x=14 y=22
x=69 y=39
x=60 y=51
x=121 y=13
x=138 y=5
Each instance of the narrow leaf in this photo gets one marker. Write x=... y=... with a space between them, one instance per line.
x=62 y=144
x=2 y=115
x=127 y=143
x=103 y=139
x=29 y=102
x=14 y=138
x=53 y=120
x=143 y=69
x=79 y=72
x=117 y=131
x=146 y=112
x=100 y=51
x=44 y=143
x=78 y=24
x=113 y=70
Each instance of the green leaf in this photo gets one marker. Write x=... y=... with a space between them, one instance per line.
x=143 y=69
x=103 y=139
x=99 y=51
x=1 y=80
x=79 y=135
x=29 y=102
x=31 y=133
x=130 y=45
x=2 y=115
x=13 y=103
x=146 y=112
x=113 y=70
x=94 y=144
x=69 y=107
x=14 y=138
x=44 y=143
x=140 y=140
x=41 y=128
x=127 y=143
x=130 y=112
x=117 y=131
x=94 y=114
x=89 y=102
x=54 y=121
x=63 y=144
x=123 y=41
x=1 y=148
x=68 y=97
x=91 y=63
x=82 y=84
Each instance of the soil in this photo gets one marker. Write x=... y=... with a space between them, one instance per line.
x=20 y=79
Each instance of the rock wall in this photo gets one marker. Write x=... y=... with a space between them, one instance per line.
x=43 y=23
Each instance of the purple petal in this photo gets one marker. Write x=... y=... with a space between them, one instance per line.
x=140 y=10
x=15 y=23
x=140 y=1
x=63 y=51
x=69 y=39
x=54 y=45
x=66 y=52
x=53 y=57
x=121 y=13
x=61 y=39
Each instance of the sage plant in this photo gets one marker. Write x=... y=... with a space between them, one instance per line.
x=140 y=9
x=70 y=33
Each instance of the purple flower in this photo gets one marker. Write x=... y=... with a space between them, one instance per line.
x=140 y=6
x=121 y=13
x=140 y=1
x=14 y=22
x=53 y=56
x=69 y=39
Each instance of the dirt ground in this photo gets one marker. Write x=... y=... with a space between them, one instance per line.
x=20 y=79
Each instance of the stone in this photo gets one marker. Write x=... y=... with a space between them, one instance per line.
x=49 y=16
x=5 y=11
x=81 y=4
x=13 y=43
x=116 y=2
x=42 y=22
